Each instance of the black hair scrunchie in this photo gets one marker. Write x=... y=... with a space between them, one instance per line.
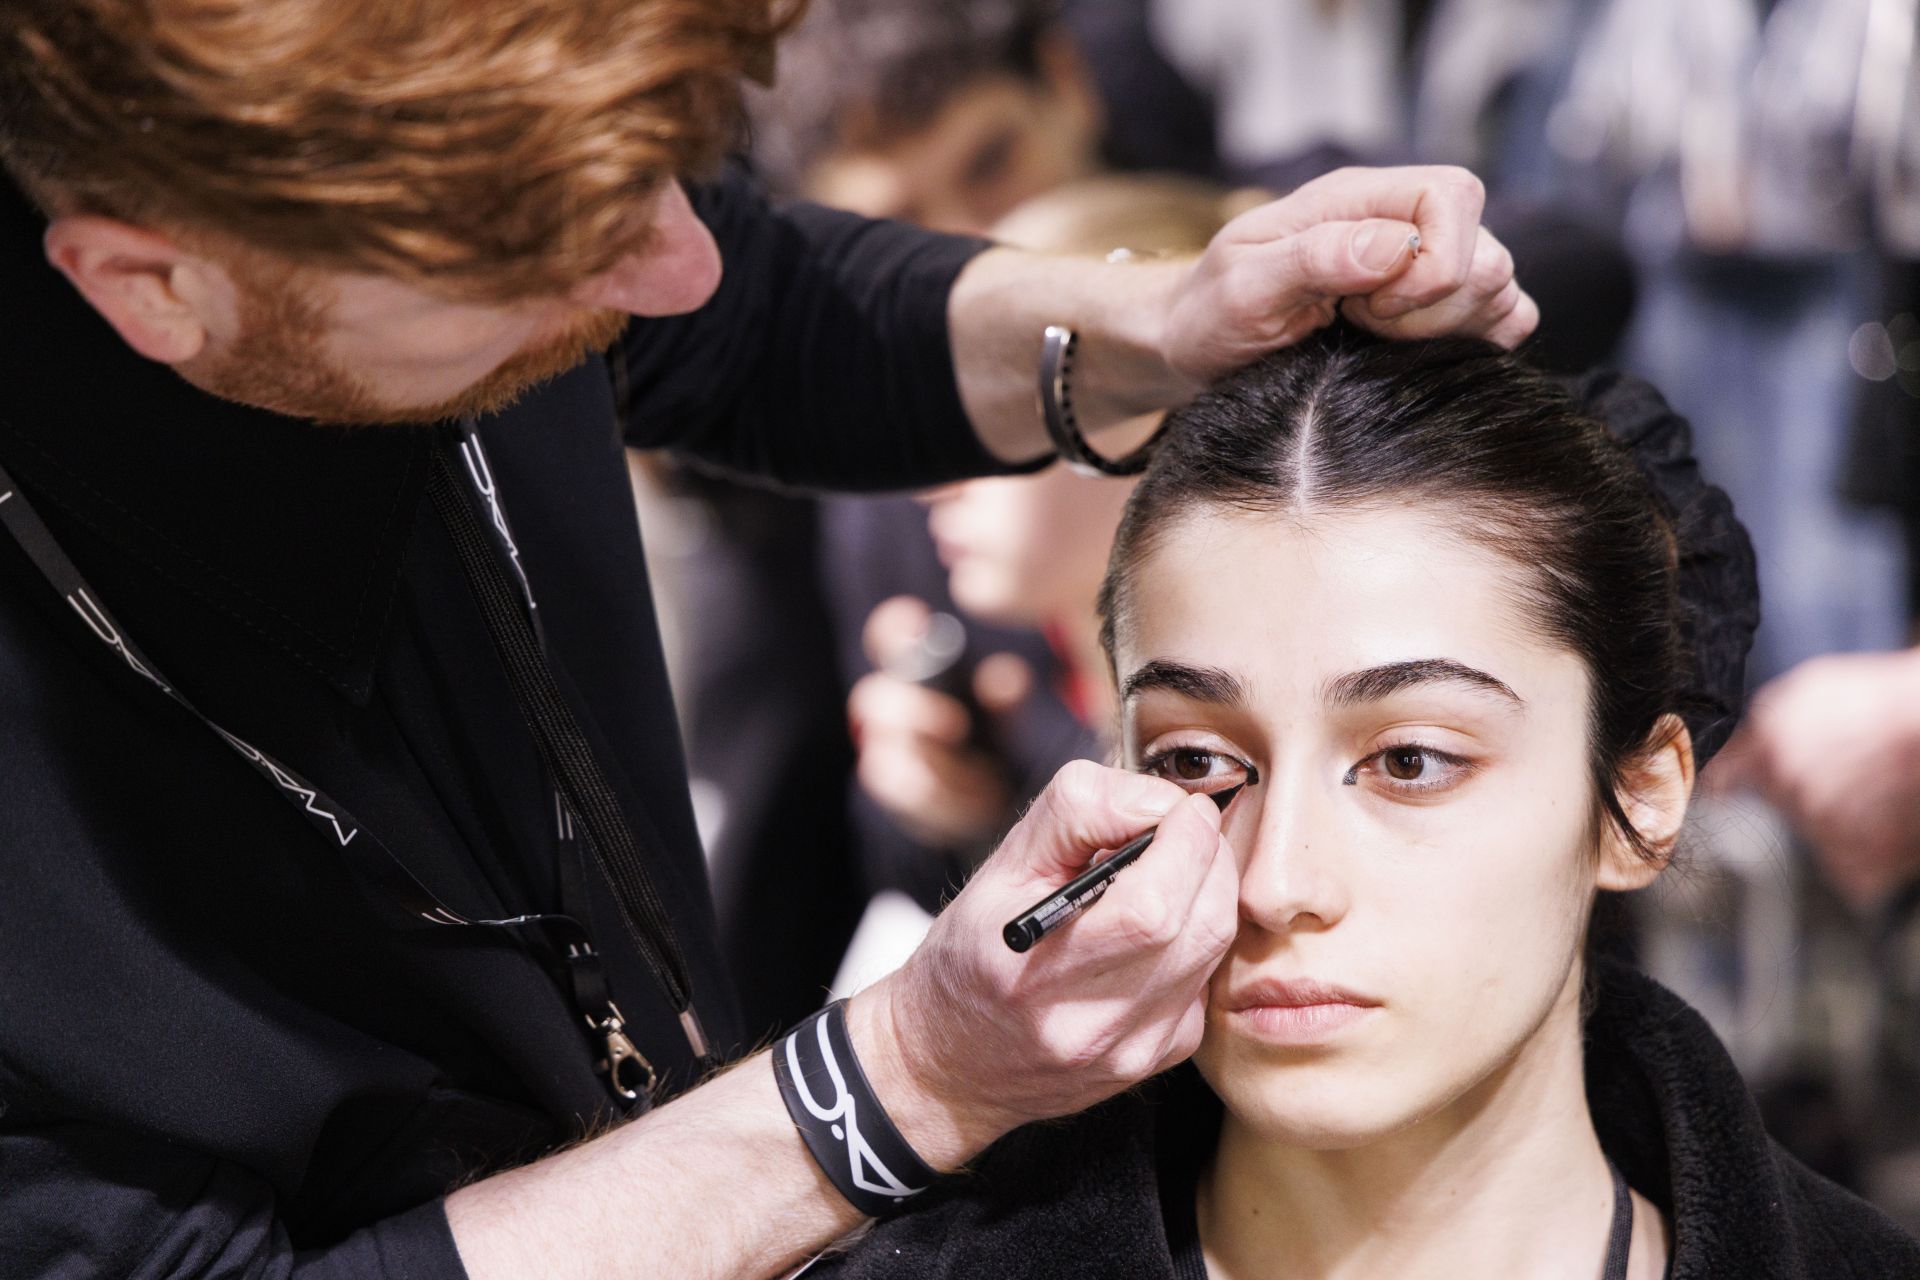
x=1718 y=584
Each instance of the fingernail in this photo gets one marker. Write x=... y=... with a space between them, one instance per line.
x=1378 y=245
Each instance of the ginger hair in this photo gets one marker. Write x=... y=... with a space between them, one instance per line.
x=492 y=148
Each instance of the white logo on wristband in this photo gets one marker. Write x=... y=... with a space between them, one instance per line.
x=860 y=1155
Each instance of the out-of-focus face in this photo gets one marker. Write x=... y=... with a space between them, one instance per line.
x=1417 y=857
x=1025 y=550
x=997 y=143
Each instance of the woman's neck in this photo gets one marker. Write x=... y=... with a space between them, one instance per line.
x=1509 y=1179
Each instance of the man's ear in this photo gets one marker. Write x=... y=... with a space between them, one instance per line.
x=153 y=292
x=1654 y=790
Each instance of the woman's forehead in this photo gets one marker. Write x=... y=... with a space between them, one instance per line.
x=1301 y=598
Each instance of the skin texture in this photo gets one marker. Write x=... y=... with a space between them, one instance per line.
x=1400 y=1143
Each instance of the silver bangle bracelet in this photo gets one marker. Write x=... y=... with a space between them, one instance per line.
x=1056 y=410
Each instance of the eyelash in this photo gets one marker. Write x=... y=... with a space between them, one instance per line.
x=1405 y=786
x=1153 y=763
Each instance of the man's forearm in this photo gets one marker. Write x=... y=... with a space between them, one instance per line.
x=999 y=310
x=1399 y=251
x=716 y=1183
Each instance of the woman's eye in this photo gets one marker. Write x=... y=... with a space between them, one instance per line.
x=1404 y=763
x=1194 y=766
x=1410 y=767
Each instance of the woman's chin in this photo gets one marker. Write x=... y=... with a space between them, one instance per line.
x=1320 y=1103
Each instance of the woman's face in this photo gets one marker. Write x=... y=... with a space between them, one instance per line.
x=1416 y=858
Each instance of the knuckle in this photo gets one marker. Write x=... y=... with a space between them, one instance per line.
x=1065 y=1049
x=1492 y=271
x=1147 y=923
x=1136 y=1060
x=1464 y=183
x=1076 y=784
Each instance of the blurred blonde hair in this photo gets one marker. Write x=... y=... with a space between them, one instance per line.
x=1146 y=213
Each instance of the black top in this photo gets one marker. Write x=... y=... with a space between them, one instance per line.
x=215 y=1055
x=1083 y=1199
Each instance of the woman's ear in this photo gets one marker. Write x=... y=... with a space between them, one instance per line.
x=1655 y=786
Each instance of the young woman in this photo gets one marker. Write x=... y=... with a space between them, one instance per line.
x=1465 y=665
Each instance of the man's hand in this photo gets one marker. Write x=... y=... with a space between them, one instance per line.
x=1277 y=272
x=968 y=1039
x=1153 y=334
x=1835 y=745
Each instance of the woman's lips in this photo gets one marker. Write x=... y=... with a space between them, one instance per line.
x=1295 y=1012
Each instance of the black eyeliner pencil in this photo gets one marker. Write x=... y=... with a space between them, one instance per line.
x=1081 y=892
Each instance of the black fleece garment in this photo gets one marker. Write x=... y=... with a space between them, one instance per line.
x=1081 y=1199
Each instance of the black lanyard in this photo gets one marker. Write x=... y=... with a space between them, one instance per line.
x=578 y=785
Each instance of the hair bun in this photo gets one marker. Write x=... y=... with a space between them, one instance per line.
x=1719 y=586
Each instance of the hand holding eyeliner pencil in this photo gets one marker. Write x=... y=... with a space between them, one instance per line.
x=1081 y=892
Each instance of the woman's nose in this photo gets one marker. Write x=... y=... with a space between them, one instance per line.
x=676 y=271
x=1292 y=873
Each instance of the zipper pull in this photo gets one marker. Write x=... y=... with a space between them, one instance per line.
x=621 y=1052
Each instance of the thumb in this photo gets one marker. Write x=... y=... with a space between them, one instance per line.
x=1338 y=259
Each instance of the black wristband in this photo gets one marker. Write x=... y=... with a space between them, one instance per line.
x=1063 y=428
x=844 y=1126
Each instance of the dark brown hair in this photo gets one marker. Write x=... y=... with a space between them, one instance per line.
x=863 y=73
x=1343 y=421
x=500 y=148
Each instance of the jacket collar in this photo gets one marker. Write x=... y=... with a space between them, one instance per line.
x=292 y=531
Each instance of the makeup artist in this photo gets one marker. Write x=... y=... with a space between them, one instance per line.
x=345 y=848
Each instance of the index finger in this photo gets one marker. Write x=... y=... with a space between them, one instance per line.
x=1443 y=202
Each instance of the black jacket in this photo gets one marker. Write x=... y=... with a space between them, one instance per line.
x=215 y=1055
x=1081 y=1200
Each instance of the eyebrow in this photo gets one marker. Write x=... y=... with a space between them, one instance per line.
x=1201 y=684
x=1210 y=684
x=1390 y=678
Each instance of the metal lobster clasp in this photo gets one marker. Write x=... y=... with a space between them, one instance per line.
x=625 y=1066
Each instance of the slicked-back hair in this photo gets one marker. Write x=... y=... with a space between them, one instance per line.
x=498 y=147
x=1496 y=451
